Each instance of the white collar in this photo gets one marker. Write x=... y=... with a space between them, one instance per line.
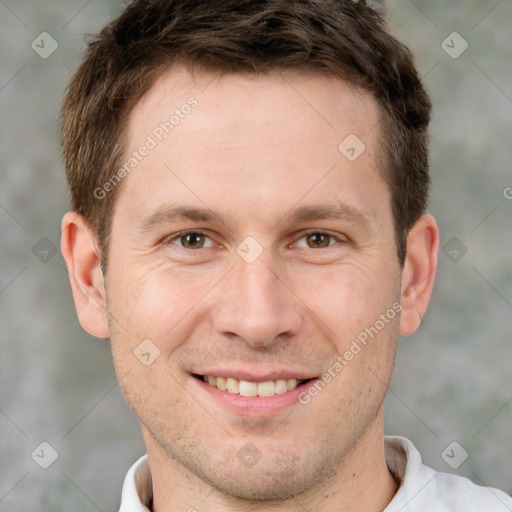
x=137 y=490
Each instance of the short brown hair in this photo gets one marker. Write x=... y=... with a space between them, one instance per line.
x=346 y=39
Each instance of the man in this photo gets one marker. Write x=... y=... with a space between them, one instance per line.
x=248 y=182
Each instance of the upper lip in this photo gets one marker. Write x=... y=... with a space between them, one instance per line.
x=254 y=376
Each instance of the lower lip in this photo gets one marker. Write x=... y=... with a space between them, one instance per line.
x=255 y=405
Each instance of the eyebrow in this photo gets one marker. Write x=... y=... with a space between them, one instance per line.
x=339 y=211
x=169 y=215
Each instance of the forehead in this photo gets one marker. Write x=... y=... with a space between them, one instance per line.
x=327 y=104
x=269 y=137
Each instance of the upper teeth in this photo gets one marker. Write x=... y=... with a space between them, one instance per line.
x=246 y=388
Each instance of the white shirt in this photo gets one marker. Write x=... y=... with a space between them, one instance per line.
x=421 y=489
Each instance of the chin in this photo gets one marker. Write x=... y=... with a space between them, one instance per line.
x=263 y=486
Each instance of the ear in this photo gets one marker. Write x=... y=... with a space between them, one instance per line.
x=418 y=273
x=79 y=248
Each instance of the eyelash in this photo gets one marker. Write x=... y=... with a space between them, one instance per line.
x=338 y=239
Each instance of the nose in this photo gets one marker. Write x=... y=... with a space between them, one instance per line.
x=256 y=305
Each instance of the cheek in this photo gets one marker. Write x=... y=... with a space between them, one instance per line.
x=156 y=303
x=349 y=298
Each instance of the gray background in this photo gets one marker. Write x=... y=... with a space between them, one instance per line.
x=453 y=378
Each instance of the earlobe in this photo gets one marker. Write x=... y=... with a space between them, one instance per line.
x=79 y=248
x=419 y=272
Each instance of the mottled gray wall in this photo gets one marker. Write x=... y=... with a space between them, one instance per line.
x=453 y=378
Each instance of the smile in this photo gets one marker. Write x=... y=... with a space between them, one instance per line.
x=246 y=388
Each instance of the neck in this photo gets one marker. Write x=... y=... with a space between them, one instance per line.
x=362 y=482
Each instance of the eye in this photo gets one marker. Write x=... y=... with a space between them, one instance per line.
x=198 y=240
x=317 y=240
x=192 y=240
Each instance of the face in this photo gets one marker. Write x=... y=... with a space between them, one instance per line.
x=246 y=245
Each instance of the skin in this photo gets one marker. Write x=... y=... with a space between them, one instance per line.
x=254 y=152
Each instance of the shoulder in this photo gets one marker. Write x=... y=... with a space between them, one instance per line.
x=459 y=493
x=423 y=488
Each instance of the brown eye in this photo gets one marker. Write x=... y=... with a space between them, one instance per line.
x=318 y=240
x=192 y=240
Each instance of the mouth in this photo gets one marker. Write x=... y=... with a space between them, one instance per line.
x=268 y=388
